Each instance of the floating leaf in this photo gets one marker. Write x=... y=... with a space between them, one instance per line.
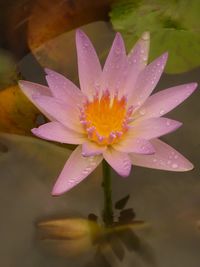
x=126 y=216
x=17 y=114
x=29 y=167
x=174 y=27
x=8 y=74
x=59 y=53
x=51 y=18
x=120 y=204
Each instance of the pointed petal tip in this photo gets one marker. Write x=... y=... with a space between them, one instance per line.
x=190 y=166
x=27 y=88
x=164 y=56
x=22 y=83
x=190 y=88
x=125 y=175
x=78 y=36
x=118 y=35
x=37 y=132
x=34 y=130
x=119 y=39
x=48 y=71
x=194 y=86
x=79 y=33
x=56 y=193
x=146 y=36
x=58 y=190
x=177 y=125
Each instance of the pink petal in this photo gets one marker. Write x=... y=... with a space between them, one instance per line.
x=153 y=128
x=134 y=145
x=114 y=66
x=137 y=60
x=75 y=170
x=55 y=131
x=62 y=88
x=166 y=100
x=66 y=114
x=147 y=81
x=165 y=158
x=119 y=161
x=33 y=89
x=92 y=149
x=89 y=67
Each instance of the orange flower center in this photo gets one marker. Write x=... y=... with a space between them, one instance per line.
x=105 y=119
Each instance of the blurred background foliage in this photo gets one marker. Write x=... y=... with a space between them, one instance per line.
x=38 y=34
x=174 y=26
x=28 y=29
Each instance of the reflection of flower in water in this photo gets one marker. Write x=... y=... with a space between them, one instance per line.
x=112 y=117
x=72 y=236
x=75 y=237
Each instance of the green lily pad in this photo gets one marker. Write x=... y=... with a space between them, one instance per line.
x=174 y=27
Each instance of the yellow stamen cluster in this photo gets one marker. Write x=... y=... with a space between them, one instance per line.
x=105 y=119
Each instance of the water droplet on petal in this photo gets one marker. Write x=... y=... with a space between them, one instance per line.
x=168 y=123
x=72 y=181
x=145 y=58
x=142 y=111
x=162 y=112
x=86 y=44
x=174 y=166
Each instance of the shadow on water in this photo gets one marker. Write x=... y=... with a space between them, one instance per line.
x=109 y=246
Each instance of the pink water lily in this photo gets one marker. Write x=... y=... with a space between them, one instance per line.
x=113 y=116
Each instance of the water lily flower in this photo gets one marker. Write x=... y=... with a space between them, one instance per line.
x=114 y=116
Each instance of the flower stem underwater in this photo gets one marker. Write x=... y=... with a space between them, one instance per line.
x=107 y=188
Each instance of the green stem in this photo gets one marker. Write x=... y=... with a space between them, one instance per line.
x=107 y=188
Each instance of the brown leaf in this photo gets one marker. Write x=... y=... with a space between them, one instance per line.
x=17 y=114
x=51 y=18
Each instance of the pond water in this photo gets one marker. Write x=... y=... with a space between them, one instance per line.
x=158 y=226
